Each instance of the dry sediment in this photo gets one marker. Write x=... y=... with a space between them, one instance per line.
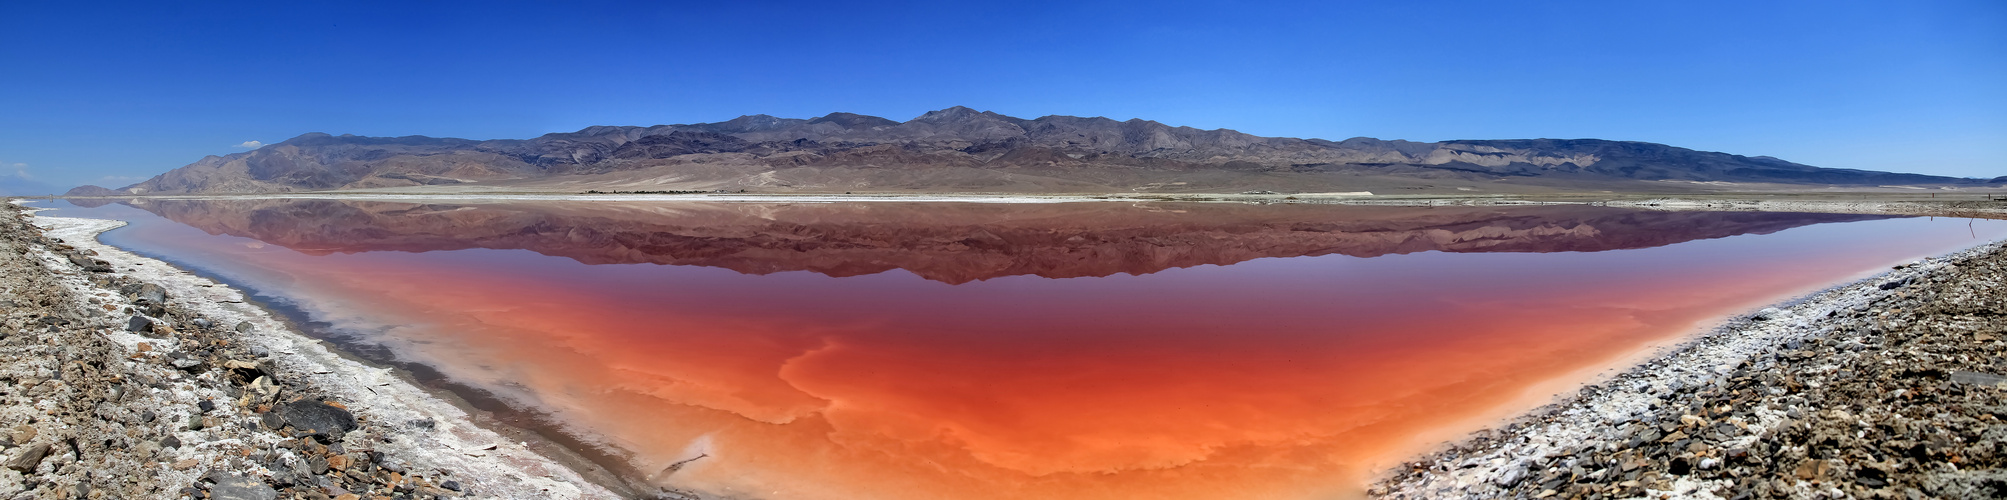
x=123 y=378
x=1887 y=388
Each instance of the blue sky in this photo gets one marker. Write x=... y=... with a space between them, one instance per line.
x=112 y=93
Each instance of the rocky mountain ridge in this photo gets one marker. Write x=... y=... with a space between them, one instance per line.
x=964 y=150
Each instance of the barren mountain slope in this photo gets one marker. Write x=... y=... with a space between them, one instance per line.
x=963 y=150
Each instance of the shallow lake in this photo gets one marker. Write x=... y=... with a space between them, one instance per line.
x=969 y=350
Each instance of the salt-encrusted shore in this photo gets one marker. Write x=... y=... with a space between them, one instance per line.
x=123 y=377
x=1885 y=388
x=430 y=441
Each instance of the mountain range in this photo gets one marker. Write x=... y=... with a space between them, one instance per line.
x=963 y=150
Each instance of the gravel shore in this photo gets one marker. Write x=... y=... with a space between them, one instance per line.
x=1885 y=388
x=126 y=378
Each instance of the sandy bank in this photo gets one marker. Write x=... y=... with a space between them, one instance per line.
x=1884 y=388
x=127 y=378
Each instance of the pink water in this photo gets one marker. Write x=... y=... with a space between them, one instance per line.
x=1093 y=350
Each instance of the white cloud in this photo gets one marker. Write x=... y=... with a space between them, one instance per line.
x=16 y=170
x=122 y=178
x=250 y=144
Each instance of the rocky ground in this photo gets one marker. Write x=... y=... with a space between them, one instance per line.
x=1887 y=388
x=122 y=378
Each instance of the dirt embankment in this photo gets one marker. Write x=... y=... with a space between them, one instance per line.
x=1888 y=388
x=123 y=378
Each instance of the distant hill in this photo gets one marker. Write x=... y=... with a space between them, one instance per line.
x=90 y=190
x=963 y=150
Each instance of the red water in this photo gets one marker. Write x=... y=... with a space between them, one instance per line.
x=1265 y=378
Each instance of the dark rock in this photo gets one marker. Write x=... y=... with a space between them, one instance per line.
x=170 y=442
x=450 y=485
x=206 y=405
x=244 y=327
x=1871 y=477
x=147 y=416
x=139 y=324
x=271 y=421
x=88 y=264
x=313 y=418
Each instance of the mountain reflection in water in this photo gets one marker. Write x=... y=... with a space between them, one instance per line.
x=1197 y=362
x=957 y=242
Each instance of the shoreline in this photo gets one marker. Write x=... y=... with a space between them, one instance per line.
x=82 y=236
x=400 y=438
x=1962 y=205
x=506 y=417
x=1694 y=420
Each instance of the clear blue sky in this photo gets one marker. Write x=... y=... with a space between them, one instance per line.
x=109 y=93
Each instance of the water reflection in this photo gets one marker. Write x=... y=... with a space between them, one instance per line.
x=1197 y=364
x=956 y=242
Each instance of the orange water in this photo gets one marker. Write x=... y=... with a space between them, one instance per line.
x=1245 y=376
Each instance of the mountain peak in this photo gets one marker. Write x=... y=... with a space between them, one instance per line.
x=755 y=123
x=852 y=120
x=953 y=113
x=306 y=137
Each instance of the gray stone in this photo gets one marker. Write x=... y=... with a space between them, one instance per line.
x=235 y=487
x=184 y=361
x=29 y=458
x=1977 y=378
x=139 y=324
x=148 y=294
